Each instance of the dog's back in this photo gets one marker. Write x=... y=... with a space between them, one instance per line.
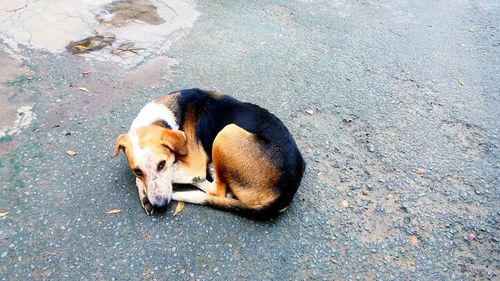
x=212 y=112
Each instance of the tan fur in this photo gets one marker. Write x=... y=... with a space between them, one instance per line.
x=158 y=138
x=170 y=101
x=196 y=159
x=216 y=95
x=240 y=164
x=123 y=143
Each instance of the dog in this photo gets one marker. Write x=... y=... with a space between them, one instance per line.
x=257 y=167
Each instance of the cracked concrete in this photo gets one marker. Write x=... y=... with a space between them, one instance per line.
x=51 y=25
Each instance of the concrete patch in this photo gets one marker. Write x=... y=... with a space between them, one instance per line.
x=24 y=118
x=152 y=27
x=11 y=99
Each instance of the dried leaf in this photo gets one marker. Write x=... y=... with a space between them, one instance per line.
x=80 y=47
x=413 y=240
x=86 y=72
x=71 y=152
x=3 y=214
x=345 y=204
x=310 y=111
x=83 y=89
x=114 y=211
x=178 y=208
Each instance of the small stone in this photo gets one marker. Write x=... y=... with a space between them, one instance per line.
x=310 y=111
x=421 y=171
x=413 y=240
x=371 y=148
x=4 y=254
x=345 y=204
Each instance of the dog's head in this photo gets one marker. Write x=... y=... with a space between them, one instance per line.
x=151 y=153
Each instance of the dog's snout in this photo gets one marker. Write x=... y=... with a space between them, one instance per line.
x=160 y=201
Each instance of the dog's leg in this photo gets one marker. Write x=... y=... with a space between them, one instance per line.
x=242 y=167
x=194 y=197
x=181 y=175
x=146 y=205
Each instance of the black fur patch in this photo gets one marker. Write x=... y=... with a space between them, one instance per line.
x=165 y=125
x=212 y=114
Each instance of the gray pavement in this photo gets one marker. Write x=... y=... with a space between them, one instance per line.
x=394 y=104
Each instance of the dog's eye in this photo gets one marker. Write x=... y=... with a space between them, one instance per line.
x=161 y=165
x=138 y=172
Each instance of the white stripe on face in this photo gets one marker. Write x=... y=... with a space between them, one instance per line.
x=158 y=184
x=152 y=112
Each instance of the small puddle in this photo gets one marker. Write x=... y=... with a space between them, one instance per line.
x=128 y=32
x=120 y=13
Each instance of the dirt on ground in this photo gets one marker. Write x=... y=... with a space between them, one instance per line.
x=394 y=105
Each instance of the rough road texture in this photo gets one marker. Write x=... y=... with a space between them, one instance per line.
x=402 y=148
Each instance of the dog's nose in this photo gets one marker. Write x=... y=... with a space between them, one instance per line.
x=160 y=202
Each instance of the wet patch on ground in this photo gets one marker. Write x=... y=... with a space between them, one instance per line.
x=402 y=173
x=124 y=12
x=141 y=29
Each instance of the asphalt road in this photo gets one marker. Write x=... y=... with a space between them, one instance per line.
x=394 y=104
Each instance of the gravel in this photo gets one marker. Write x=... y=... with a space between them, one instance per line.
x=393 y=133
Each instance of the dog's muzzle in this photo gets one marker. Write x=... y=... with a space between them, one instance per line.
x=159 y=192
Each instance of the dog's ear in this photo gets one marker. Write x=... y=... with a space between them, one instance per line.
x=122 y=142
x=175 y=140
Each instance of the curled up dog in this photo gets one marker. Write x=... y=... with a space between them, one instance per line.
x=257 y=167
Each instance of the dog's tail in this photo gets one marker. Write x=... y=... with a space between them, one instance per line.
x=264 y=211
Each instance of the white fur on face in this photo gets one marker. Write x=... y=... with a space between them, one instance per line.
x=152 y=112
x=158 y=184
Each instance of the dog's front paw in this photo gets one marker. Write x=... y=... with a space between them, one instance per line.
x=148 y=207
